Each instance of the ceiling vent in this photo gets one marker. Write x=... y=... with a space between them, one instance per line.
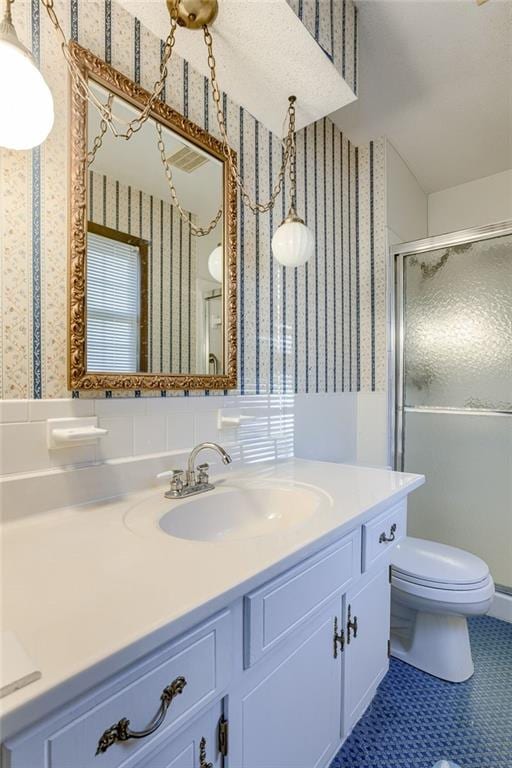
x=186 y=159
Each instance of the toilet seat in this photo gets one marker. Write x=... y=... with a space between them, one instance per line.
x=439 y=585
x=468 y=595
x=438 y=566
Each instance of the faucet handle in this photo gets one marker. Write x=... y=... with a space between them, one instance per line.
x=177 y=480
x=169 y=473
x=176 y=476
x=202 y=476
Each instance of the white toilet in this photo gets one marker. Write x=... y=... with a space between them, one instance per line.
x=434 y=588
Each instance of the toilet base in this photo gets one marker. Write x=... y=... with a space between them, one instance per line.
x=433 y=642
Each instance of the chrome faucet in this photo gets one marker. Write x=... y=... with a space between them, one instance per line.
x=196 y=479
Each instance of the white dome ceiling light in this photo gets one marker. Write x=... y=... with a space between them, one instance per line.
x=27 y=115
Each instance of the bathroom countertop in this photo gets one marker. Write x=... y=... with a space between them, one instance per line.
x=86 y=594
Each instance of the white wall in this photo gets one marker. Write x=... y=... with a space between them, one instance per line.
x=406 y=219
x=466 y=459
x=406 y=202
x=326 y=426
x=373 y=429
x=351 y=427
x=477 y=203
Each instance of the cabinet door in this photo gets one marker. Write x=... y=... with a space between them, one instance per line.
x=292 y=717
x=366 y=651
x=196 y=747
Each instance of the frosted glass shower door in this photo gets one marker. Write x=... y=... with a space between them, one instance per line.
x=454 y=404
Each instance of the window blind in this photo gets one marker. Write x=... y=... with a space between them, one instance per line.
x=113 y=304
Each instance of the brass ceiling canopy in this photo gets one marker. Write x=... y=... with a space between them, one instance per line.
x=194 y=14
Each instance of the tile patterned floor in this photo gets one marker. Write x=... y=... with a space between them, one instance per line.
x=416 y=720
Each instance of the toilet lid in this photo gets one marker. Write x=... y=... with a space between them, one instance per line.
x=435 y=563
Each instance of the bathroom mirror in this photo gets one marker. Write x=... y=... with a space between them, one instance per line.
x=152 y=302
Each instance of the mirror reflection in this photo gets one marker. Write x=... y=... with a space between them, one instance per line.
x=154 y=289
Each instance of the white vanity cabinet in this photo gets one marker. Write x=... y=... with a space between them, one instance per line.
x=288 y=714
x=193 y=671
x=196 y=747
x=286 y=711
x=276 y=679
x=367 y=616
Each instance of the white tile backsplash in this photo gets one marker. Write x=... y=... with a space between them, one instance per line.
x=136 y=427
x=40 y=410
x=13 y=410
x=206 y=430
x=180 y=431
x=148 y=435
x=119 y=441
x=23 y=447
x=120 y=406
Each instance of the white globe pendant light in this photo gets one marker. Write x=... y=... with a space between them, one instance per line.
x=293 y=243
x=26 y=118
x=215 y=266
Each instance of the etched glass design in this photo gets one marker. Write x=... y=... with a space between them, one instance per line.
x=458 y=326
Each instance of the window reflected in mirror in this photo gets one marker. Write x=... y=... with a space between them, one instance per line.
x=117 y=306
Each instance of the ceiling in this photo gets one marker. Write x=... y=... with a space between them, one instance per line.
x=435 y=78
x=264 y=54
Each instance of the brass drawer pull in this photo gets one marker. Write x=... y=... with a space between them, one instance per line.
x=383 y=538
x=121 y=732
x=351 y=625
x=203 y=763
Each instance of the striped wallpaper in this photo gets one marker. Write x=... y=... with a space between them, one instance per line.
x=171 y=267
x=320 y=328
x=333 y=24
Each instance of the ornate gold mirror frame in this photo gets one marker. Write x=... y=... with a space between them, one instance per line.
x=79 y=378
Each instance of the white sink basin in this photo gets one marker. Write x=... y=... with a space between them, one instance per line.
x=232 y=513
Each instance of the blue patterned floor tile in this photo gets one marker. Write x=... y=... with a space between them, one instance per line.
x=416 y=719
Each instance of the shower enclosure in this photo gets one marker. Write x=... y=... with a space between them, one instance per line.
x=453 y=389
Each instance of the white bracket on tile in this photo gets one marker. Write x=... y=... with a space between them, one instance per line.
x=225 y=422
x=73 y=432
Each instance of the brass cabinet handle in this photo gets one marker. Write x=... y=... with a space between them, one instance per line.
x=338 y=639
x=383 y=538
x=121 y=731
x=351 y=625
x=203 y=763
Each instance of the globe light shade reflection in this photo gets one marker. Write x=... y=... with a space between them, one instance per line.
x=26 y=117
x=293 y=243
x=215 y=263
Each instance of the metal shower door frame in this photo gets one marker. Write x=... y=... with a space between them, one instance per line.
x=397 y=256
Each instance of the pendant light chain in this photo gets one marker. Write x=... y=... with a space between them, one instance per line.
x=197 y=231
x=98 y=139
x=288 y=142
x=86 y=92
x=110 y=122
x=7 y=11
x=293 y=173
